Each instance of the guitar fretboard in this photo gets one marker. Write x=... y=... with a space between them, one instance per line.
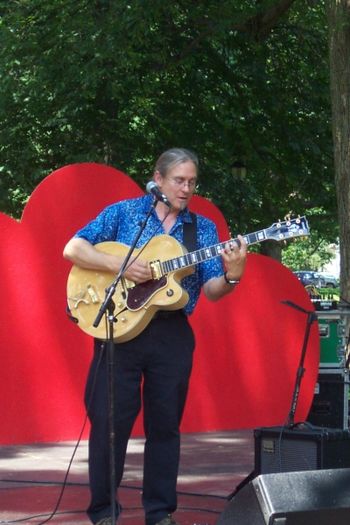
x=198 y=256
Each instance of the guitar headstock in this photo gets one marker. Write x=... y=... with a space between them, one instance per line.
x=288 y=229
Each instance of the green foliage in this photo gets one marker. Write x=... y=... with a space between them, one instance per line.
x=117 y=82
x=317 y=250
x=310 y=254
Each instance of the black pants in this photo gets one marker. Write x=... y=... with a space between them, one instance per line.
x=159 y=363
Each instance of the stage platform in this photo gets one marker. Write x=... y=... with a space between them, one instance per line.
x=31 y=478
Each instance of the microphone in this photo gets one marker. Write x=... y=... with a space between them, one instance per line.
x=151 y=187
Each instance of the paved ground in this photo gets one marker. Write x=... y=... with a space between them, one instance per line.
x=32 y=476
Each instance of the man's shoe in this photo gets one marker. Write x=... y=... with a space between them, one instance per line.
x=105 y=521
x=168 y=520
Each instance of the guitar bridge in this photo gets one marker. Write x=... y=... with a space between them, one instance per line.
x=156 y=270
x=79 y=298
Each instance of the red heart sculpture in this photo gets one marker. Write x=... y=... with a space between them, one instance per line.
x=248 y=344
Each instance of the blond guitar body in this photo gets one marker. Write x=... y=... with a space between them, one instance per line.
x=135 y=305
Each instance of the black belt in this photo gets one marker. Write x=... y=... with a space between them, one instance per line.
x=167 y=314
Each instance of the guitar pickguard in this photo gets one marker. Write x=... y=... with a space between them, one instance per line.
x=140 y=294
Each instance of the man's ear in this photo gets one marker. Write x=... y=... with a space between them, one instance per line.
x=157 y=178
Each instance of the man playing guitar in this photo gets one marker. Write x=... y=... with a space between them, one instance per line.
x=152 y=363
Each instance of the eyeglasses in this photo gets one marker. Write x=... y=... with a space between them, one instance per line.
x=179 y=182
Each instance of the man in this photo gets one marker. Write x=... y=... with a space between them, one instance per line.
x=160 y=358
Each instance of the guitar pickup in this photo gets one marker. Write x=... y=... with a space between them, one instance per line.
x=156 y=270
x=93 y=294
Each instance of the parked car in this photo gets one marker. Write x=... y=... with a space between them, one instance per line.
x=308 y=278
x=330 y=281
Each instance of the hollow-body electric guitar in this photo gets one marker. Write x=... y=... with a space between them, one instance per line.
x=136 y=304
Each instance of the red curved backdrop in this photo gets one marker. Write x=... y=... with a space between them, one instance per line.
x=248 y=344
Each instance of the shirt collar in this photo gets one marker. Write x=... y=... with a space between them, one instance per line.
x=183 y=216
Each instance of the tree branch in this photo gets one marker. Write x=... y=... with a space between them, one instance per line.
x=260 y=25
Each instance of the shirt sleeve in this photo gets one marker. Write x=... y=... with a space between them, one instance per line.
x=103 y=228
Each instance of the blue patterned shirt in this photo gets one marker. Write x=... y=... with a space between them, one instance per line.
x=121 y=221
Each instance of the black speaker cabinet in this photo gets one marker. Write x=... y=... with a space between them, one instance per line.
x=319 y=497
x=303 y=447
x=330 y=406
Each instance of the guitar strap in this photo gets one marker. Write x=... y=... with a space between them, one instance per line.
x=190 y=233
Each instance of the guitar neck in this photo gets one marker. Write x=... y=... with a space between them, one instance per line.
x=204 y=254
x=278 y=231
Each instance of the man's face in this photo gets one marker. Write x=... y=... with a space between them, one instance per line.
x=178 y=184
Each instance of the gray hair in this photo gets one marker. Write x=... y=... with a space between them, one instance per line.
x=172 y=157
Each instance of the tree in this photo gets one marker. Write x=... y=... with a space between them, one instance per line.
x=117 y=82
x=339 y=47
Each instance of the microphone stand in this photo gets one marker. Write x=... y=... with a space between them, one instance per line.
x=107 y=308
x=311 y=317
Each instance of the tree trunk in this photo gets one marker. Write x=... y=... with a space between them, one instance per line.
x=339 y=51
x=272 y=249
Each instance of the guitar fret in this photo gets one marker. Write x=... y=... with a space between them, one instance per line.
x=182 y=261
x=202 y=254
x=252 y=238
x=260 y=235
